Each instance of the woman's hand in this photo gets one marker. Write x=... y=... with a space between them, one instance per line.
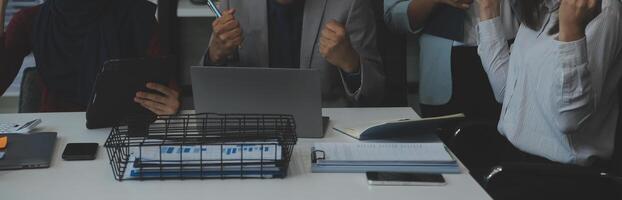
x=166 y=103
x=489 y=9
x=574 y=16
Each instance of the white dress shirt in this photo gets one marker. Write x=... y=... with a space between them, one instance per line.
x=560 y=99
x=471 y=36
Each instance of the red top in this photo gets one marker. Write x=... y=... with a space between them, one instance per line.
x=16 y=44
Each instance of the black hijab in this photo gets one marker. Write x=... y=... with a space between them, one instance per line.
x=73 y=38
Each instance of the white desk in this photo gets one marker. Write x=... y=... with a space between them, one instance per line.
x=93 y=180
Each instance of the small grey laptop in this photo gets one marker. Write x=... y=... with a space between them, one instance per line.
x=261 y=91
x=27 y=151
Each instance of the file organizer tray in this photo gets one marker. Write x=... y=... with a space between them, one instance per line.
x=202 y=146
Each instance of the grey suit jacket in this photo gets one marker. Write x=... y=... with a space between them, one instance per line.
x=358 y=18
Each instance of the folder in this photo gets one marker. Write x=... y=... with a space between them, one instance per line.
x=384 y=157
x=398 y=128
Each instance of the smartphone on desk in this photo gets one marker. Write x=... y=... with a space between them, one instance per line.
x=405 y=179
x=80 y=151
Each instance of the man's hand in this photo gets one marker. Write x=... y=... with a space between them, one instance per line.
x=336 y=48
x=227 y=37
x=461 y=4
x=574 y=16
x=166 y=103
x=489 y=9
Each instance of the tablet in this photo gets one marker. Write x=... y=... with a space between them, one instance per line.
x=116 y=85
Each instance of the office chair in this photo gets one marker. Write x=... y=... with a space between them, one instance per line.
x=525 y=180
x=31 y=91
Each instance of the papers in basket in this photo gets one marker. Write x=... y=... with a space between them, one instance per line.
x=206 y=160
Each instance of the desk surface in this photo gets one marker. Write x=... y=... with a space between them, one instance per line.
x=93 y=179
x=187 y=9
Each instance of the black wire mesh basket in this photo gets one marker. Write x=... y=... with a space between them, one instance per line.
x=202 y=146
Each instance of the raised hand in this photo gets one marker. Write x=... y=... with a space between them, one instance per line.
x=489 y=9
x=574 y=16
x=227 y=37
x=336 y=48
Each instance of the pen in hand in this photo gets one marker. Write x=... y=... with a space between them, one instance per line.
x=217 y=12
x=214 y=9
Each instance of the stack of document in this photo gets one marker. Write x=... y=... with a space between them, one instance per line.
x=382 y=157
x=205 y=161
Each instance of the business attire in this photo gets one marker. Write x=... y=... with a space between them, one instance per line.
x=70 y=45
x=451 y=75
x=287 y=36
x=560 y=99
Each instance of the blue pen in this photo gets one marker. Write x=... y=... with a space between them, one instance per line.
x=214 y=9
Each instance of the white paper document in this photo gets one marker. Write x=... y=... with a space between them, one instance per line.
x=382 y=152
x=235 y=153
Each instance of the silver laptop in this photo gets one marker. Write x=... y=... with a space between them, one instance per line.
x=26 y=151
x=261 y=91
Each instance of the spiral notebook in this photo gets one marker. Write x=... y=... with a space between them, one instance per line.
x=385 y=157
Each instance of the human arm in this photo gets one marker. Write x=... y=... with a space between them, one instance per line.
x=574 y=16
x=587 y=59
x=360 y=28
x=493 y=48
x=410 y=16
x=337 y=49
x=226 y=37
x=15 y=45
x=166 y=101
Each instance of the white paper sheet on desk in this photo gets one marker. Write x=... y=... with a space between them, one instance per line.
x=384 y=153
x=234 y=153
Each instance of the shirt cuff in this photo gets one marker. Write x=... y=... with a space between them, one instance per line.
x=352 y=81
x=491 y=30
x=573 y=53
x=399 y=14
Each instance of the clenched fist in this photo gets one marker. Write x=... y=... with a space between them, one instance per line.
x=227 y=37
x=574 y=16
x=336 y=48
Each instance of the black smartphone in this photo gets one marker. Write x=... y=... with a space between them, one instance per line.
x=80 y=151
x=405 y=179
